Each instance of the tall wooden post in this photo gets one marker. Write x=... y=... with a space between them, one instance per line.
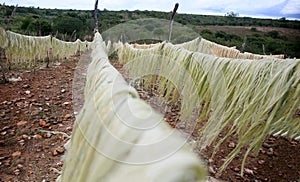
x=244 y=45
x=171 y=21
x=11 y=17
x=96 y=17
x=2 y=57
x=264 y=49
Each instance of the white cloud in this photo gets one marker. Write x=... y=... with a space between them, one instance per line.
x=59 y=4
x=238 y=5
x=217 y=7
x=292 y=7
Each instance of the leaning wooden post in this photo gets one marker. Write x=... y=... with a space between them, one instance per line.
x=73 y=33
x=2 y=57
x=171 y=21
x=11 y=17
x=264 y=49
x=96 y=17
x=244 y=45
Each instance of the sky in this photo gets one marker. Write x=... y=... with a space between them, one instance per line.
x=251 y=8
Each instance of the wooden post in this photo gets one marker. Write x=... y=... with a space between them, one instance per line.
x=40 y=27
x=2 y=57
x=11 y=17
x=171 y=21
x=244 y=45
x=71 y=40
x=264 y=49
x=96 y=16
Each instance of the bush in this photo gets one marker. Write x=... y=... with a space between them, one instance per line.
x=274 y=34
x=207 y=31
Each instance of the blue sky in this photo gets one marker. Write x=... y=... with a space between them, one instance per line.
x=251 y=8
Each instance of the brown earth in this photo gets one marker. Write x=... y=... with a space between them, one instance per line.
x=278 y=158
x=246 y=30
x=42 y=102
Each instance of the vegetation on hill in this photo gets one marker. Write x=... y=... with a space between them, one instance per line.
x=72 y=24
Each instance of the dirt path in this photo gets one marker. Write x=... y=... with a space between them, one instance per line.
x=41 y=101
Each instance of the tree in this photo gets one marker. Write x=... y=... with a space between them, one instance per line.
x=231 y=14
x=282 y=19
x=26 y=22
x=66 y=24
x=274 y=34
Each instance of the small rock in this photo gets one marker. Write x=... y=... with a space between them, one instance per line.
x=37 y=136
x=69 y=128
x=54 y=153
x=16 y=154
x=60 y=150
x=231 y=145
x=182 y=126
x=35 y=112
x=262 y=151
x=6 y=162
x=11 y=132
x=223 y=160
x=21 y=141
x=43 y=123
x=21 y=123
x=67 y=116
x=249 y=171
x=17 y=171
x=266 y=145
x=27 y=92
x=26 y=86
x=211 y=170
x=2 y=115
x=63 y=91
x=270 y=152
x=47 y=135
x=66 y=103
x=236 y=169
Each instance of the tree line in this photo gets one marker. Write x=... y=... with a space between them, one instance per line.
x=72 y=24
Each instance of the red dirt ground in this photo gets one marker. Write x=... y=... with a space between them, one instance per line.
x=43 y=101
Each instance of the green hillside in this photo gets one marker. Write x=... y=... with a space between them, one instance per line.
x=278 y=36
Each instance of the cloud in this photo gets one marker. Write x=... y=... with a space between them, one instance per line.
x=238 y=5
x=250 y=8
x=65 y=4
x=292 y=7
